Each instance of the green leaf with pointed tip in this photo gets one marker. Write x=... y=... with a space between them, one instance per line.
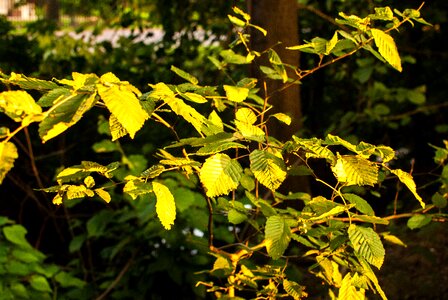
x=187 y=76
x=360 y=204
x=18 y=104
x=277 y=65
x=335 y=140
x=387 y=48
x=329 y=46
x=220 y=174
x=382 y=13
x=418 y=221
x=121 y=100
x=270 y=170
x=16 y=235
x=313 y=148
x=294 y=289
x=367 y=271
x=232 y=58
x=236 y=93
x=8 y=154
x=29 y=83
x=277 y=236
x=408 y=180
x=165 y=205
x=235 y=216
x=236 y=21
x=39 y=283
x=355 y=170
x=66 y=112
x=367 y=244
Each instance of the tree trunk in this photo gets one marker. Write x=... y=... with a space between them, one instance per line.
x=279 y=18
x=52 y=10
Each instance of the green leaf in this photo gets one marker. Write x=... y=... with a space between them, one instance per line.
x=294 y=289
x=28 y=255
x=360 y=204
x=329 y=46
x=418 y=221
x=236 y=93
x=121 y=100
x=40 y=283
x=348 y=291
x=277 y=236
x=18 y=104
x=8 y=154
x=67 y=280
x=277 y=65
x=219 y=147
x=77 y=172
x=439 y=200
x=313 y=148
x=335 y=140
x=355 y=170
x=236 y=21
x=19 y=290
x=245 y=118
x=387 y=48
x=382 y=13
x=187 y=76
x=367 y=244
x=16 y=235
x=66 y=112
x=269 y=169
x=105 y=146
x=97 y=225
x=222 y=263
x=165 y=206
x=232 y=58
x=53 y=96
x=220 y=174
x=407 y=179
x=29 y=83
x=235 y=216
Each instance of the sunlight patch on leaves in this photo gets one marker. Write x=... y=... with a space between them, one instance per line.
x=348 y=290
x=235 y=93
x=165 y=206
x=18 y=104
x=269 y=169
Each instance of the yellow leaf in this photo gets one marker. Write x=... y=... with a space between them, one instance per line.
x=407 y=179
x=387 y=48
x=103 y=194
x=8 y=154
x=165 y=206
x=235 y=93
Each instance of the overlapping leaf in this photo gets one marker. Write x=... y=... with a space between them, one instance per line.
x=269 y=169
x=387 y=48
x=18 y=104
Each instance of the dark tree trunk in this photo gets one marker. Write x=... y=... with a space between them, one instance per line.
x=52 y=10
x=279 y=18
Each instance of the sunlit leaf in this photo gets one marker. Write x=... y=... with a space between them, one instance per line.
x=135 y=187
x=8 y=154
x=165 y=206
x=236 y=21
x=117 y=130
x=121 y=100
x=18 y=104
x=277 y=236
x=382 y=13
x=232 y=58
x=355 y=170
x=387 y=48
x=282 y=118
x=187 y=76
x=236 y=93
x=408 y=180
x=331 y=44
x=348 y=291
x=246 y=115
x=277 y=64
x=103 y=194
x=219 y=147
x=220 y=174
x=269 y=169
x=26 y=83
x=367 y=271
x=294 y=289
x=66 y=112
x=394 y=240
x=313 y=148
x=367 y=244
